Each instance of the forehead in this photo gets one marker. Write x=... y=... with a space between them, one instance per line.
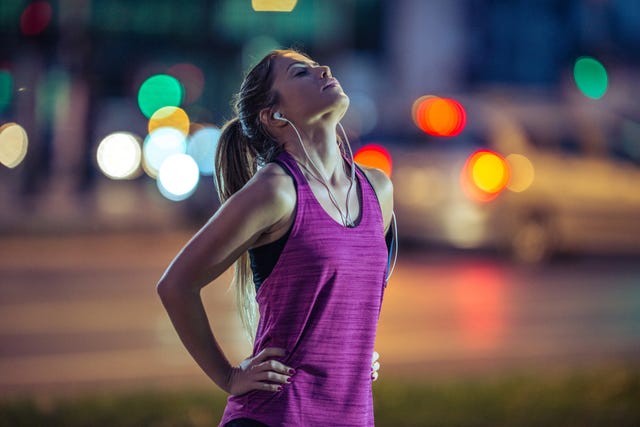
x=283 y=61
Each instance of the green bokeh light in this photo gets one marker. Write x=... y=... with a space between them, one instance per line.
x=6 y=89
x=591 y=77
x=159 y=91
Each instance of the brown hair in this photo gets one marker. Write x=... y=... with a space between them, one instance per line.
x=244 y=145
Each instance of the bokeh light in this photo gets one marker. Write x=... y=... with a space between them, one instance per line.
x=202 y=147
x=178 y=177
x=590 y=77
x=13 y=144
x=375 y=156
x=273 y=5
x=192 y=79
x=159 y=145
x=119 y=155
x=173 y=117
x=6 y=89
x=160 y=90
x=439 y=116
x=35 y=18
x=522 y=173
x=485 y=175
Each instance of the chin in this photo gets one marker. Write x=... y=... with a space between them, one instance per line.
x=343 y=104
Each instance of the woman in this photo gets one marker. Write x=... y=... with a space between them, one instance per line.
x=311 y=228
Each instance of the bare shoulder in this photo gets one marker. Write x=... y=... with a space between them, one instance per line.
x=384 y=190
x=272 y=188
x=380 y=181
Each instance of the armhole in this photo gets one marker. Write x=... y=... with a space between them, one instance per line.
x=373 y=188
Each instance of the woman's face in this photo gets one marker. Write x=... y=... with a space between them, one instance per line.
x=307 y=91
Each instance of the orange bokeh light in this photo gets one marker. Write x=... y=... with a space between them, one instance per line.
x=174 y=117
x=484 y=175
x=375 y=156
x=439 y=116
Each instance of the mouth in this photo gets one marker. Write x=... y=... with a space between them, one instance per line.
x=331 y=83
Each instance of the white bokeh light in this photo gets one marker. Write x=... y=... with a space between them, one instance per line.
x=178 y=177
x=202 y=147
x=161 y=144
x=119 y=155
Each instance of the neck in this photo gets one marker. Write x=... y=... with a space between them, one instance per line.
x=322 y=152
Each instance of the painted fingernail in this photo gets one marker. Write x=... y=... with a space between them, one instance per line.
x=279 y=388
x=292 y=371
x=288 y=379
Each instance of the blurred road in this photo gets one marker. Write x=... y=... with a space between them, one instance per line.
x=80 y=313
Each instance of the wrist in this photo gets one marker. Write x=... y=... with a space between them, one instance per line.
x=228 y=379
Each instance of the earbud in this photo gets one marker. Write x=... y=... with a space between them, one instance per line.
x=278 y=116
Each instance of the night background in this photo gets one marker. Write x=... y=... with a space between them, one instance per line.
x=511 y=132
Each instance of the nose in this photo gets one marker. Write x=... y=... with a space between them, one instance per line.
x=325 y=72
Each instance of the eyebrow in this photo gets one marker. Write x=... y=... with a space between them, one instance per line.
x=315 y=64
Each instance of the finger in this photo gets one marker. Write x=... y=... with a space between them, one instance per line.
x=274 y=365
x=273 y=377
x=374 y=376
x=375 y=366
x=270 y=352
x=375 y=356
x=267 y=386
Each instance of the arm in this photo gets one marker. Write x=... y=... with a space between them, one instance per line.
x=261 y=204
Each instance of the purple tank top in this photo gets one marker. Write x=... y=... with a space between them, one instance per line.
x=321 y=303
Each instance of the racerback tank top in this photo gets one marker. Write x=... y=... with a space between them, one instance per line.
x=321 y=303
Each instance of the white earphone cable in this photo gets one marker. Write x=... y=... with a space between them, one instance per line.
x=345 y=217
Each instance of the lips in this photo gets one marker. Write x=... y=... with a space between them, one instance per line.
x=331 y=83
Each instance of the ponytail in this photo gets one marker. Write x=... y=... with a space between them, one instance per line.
x=235 y=165
x=235 y=160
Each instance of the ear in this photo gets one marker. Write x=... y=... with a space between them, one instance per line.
x=266 y=117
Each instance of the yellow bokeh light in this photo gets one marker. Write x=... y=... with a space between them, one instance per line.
x=13 y=144
x=522 y=173
x=172 y=117
x=490 y=172
x=273 y=5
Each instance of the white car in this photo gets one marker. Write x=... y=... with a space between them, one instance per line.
x=571 y=182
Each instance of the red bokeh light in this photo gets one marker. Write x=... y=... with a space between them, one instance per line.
x=439 y=116
x=35 y=18
x=375 y=156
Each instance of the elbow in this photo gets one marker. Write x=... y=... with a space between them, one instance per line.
x=169 y=290
x=166 y=289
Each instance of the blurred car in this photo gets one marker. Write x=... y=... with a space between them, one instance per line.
x=534 y=179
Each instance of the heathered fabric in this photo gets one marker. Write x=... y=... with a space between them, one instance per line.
x=321 y=303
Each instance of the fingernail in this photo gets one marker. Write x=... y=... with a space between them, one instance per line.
x=279 y=388
x=289 y=379
x=292 y=371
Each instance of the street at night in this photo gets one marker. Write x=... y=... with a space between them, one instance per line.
x=80 y=312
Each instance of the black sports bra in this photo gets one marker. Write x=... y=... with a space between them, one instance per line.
x=264 y=258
